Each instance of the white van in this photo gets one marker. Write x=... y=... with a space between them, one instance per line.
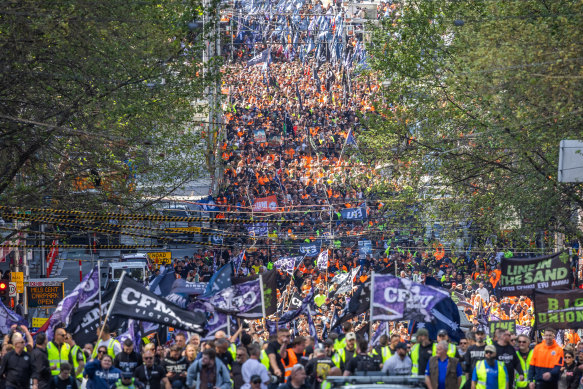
x=137 y=270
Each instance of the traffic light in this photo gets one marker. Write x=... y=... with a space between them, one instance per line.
x=4 y=291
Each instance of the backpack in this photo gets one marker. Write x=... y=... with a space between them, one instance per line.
x=365 y=364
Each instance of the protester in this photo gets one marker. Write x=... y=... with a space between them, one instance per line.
x=546 y=363
x=101 y=374
x=40 y=360
x=490 y=373
x=208 y=372
x=252 y=368
x=442 y=371
x=399 y=363
x=153 y=376
x=64 y=380
x=363 y=363
x=16 y=366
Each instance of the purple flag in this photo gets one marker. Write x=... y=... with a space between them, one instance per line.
x=86 y=291
x=396 y=298
x=312 y=327
x=9 y=318
x=238 y=260
x=238 y=300
x=381 y=329
x=287 y=264
x=216 y=321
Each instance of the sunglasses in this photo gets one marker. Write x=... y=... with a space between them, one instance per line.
x=148 y=358
x=101 y=352
x=522 y=341
x=568 y=356
x=256 y=382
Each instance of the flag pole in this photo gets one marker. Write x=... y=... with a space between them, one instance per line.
x=99 y=286
x=371 y=305
x=262 y=295
x=110 y=308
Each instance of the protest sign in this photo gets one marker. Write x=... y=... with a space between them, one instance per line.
x=509 y=325
x=558 y=309
x=520 y=276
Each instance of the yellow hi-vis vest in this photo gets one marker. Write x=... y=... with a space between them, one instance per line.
x=75 y=350
x=264 y=359
x=525 y=366
x=340 y=356
x=416 y=369
x=56 y=356
x=385 y=351
x=451 y=350
x=481 y=374
x=110 y=348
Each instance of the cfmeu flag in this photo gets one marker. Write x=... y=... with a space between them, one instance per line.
x=220 y=280
x=446 y=316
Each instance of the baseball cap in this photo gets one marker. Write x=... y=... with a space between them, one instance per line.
x=351 y=336
x=422 y=332
x=402 y=345
x=442 y=332
x=480 y=330
x=490 y=348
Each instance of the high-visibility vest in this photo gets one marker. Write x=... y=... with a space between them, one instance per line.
x=482 y=374
x=385 y=351
x=340 y=356
x=326 y=385
x=264 y=359
x=233 y=350
x=119 y=384
x=110 y=348
x=451 y=350
x=415 y=360
x=75 y=350
x=339 y=344
x=56 y=356
x=525 y=366
x=293 y=360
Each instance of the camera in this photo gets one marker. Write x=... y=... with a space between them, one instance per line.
x=273 y=379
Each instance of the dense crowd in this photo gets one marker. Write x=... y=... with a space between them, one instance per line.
x=287 y=361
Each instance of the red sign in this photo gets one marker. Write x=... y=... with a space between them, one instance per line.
x=54 y=251
x=265 y=204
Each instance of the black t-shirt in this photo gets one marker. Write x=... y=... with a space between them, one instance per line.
x=273 y=348
x=318 y=367
x=16 y=370
x=362 y=364
x=57 y=383
x=474 y=354
x=177 y=366
x=127 y=362
x=425 y=352
x=507 y=354
x=150 y=376
x=227 y=359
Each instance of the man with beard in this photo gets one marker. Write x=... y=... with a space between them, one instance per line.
x=318 y=367
x=128 y=359
x=474 y=354
x=176 y=366
x=150 y=374
x=208 y=372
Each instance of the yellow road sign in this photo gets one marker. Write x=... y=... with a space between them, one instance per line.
x=18 y=277
x=161 y=258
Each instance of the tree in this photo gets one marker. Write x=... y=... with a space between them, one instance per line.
x=476 y=98
x=98 y=100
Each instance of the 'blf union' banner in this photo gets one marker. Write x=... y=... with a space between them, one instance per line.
x=521 y=276
x=559 y=309
x=396 y=298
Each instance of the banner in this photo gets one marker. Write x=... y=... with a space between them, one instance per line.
x=136 y=302
x=311 y=249
x=348 y=283
x=238 y=260
x=181 y=286
x=396 y=298
x=520 y=276
x=265 y=204
x=364 y=248
x=446 y=317
x=269 y=279
x=287 y=264
x=239 y=300
x=353 y=214
x=9 y=318
x=220 y=280
x=263 y=57
x=216 y=321
x=509 y=325
x=322 y=262
x=257 y=230
x=558 y=309
x=84 y=292
x=259 y=135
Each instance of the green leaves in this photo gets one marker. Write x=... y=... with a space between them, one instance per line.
x=484 y=105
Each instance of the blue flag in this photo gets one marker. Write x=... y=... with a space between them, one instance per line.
x=162 y=284
x=220 y=280
x=446 y=316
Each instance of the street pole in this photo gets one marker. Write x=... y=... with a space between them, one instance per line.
x=43 y=262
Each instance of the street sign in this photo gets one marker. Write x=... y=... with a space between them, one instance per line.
x=161 y=258
x=12 y=291
x=38 y=322
x=45 y=296
x=18 y=278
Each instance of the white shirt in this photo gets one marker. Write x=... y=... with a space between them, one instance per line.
x=253 y=367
